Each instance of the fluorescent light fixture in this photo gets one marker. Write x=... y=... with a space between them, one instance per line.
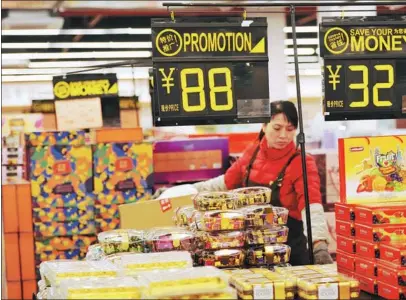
x=246 y=23
x=302 y=59
x=80 y=55
x=300 y=51
x=71 y=64
x=25 y=78
x=306 y=65
x=289 y=42
x=301 y=29
x=84 y=45
x=76 y=31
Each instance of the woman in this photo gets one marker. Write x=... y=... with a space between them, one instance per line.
x=274 y=161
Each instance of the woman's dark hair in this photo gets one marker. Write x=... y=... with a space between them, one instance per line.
x=283 y=107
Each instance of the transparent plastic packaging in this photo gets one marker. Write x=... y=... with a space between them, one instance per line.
x=268 y=255
x=266 y=236
x=183 y=215
x=220 y=240
x=253 y=195
x=57 y=270
x=222 y=220
x=207 y=201
x=135 y=263
x=258 y=215
x=225 y=294
x=225 y=258
x=122 y=240
x=169 y=239
x=178 y=282
x=95 y=252
x=280 y=215
x=101 y=288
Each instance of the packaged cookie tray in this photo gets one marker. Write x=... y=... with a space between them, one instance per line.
x=101 y=288
x=183 y=215
x=225 y=294
x=264 y=215
x=220 y=240
x=338 y=287
x=253 y=195
x=268 y=255
x=177 y=282
x=132 y=264
x=222 y=220
x=169 y=239
x=54 y=271
x=266 y=236
x=207 y=201
x=225 y=258
x=122 y=240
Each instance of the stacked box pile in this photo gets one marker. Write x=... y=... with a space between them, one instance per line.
x=61 y=176
x=371 y=243
x=122 y=174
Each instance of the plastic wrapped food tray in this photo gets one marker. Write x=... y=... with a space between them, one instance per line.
x=101 y=288
x=135 y=263
x=122 y=240
x=169 y=239
x=225 y=258
x=54 y=271
x=183 y=215
x=95 y=252
x=258 y=215
x=207 y=201
x=222 y=220
x=220 y=240
x=225 y=294
x=177 y=282
x=338 y=287
x=253 y=195
x=266 y=236
x=268 y=255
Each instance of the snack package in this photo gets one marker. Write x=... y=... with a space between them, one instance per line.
x=220 y=240
x=74 y=254
x=346 y=244
x=264 y=215
x=344 y=212
x=122 y=240
x=391 y=274
x=106 y=224
x=52 y=229
x=133 y=264
x=225 y=258
x=95 y=252
x=266 y=236
x=381 y=233
x=253 y=195
x=367 y=249
x=107 y=211
x=222 y=220
x=366 y=267
x=388 y=213
x=169 y=239
x=60 y=214
x=101 y=288
x=183 y=215
x=372 y=169
x=180 y=282
x=268 y=255
x=387 y=291
x=394 y=253
x=345 y=260
x=345 y=228
x=367 y=284
x=225 y=294
x=55 y=271
x=207 y=201
x=64 y=242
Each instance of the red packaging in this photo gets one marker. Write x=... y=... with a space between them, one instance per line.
x=372 y=214
x=388 y=291
x=345 y=260
x=394 y=253
x=380 y=233
x=367 y=249
x=345 y=244
x=345 y=228
x=391 y=273
x=344 y=212
x=366 y=267
x=366 y=284
x=345 y=272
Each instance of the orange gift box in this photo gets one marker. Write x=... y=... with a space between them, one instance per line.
x=345 y=260
x=366 y=267
x=14 y=290
x=344 y=212
x=372 y=214
x=367 y=284
x=345 y=228
x=345 y=244
x=9 y=208
x=394 y=253
x=391 y=274
x=381 y=233
x=12 y=257
x=367 y=249
x=388 y=291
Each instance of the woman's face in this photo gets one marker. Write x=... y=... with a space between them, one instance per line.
x=279 y=132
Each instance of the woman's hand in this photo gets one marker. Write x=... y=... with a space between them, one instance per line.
x=159 y=192
x=321 y=254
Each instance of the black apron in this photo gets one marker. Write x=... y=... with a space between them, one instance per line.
x=296 y=238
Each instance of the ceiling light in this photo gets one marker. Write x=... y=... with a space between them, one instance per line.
x=73 y=55
x=77 y=31
x=71 y=64
x=301 y=29
x=289 y=42
x=300 y=51
x=84 y=45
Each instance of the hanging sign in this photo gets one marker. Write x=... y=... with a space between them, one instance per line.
x=84 y=86
x=210 y=71
x=364 y=67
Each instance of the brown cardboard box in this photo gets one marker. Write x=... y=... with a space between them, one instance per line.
x=152 y=213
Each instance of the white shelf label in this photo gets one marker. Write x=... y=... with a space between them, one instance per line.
x=328 y=291
x=263 y=292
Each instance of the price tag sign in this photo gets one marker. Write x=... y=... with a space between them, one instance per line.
x=210 y=71
x=364 y=69
x=263 y=292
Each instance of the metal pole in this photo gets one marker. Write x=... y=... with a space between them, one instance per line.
x=301 y=136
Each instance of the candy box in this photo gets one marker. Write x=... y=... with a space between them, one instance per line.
x=60 y=214
x=367 y=250
x=345 y=228
x=268 y=255
x=344 y=212
x=345 y=260
x=122 y=171
x=264 y=215
x=169 y=239
x=372 y=214
x=381 y=233
x=387 y=291
x=220 y=240
x=394 y=253
x=266 y=236
x=254 y=195
x=74 y=254
x=366 y=267
x=73 y=138
x=367 y=284
x=183 y=215
x=346 y=244
x=225 y=258
x=106 y=224
x=64 y=243
x=107 y=211
x=122 y=197
x=208 y=201
x=391 y=274
x=222 y=220
x=52 y=229
x=122 y=240
x=372 y=169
